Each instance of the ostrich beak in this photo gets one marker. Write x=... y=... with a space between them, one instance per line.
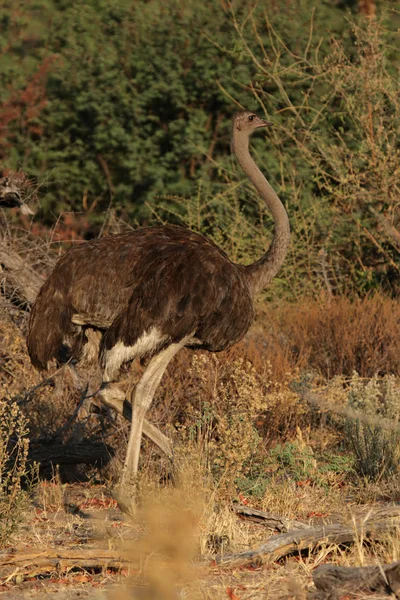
x=265 y=123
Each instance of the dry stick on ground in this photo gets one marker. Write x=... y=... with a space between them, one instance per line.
x=345 y=411
x=274 y=522
x=332 y=581
x=57 y=559
x=370 y=527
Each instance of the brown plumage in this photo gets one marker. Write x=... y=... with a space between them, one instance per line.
x=165 y=277
x=151 y=292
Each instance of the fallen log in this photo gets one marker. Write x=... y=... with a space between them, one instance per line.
x=332 y=581
x=369 y=527
x=274 y=522
x=60 y=560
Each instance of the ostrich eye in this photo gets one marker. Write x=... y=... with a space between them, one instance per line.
x=251 y=117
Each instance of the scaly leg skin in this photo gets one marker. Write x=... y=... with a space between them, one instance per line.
x=113 y=397
x=142 y=397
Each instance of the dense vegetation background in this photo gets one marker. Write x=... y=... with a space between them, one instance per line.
x=125 y=107
x=119 y=113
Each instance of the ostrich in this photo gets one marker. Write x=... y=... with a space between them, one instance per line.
x=10 y=196
x=149 y=293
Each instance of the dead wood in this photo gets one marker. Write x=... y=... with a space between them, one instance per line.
x=274 y=522
x=369 y=527
x=18 y=279
x=60 y=560
x=345 y=411
x=332 y=581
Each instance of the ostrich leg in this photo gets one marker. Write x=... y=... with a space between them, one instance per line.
x=117 y=401
x=142 y=397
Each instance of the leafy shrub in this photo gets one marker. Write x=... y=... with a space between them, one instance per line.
x=138 y=121
x=234 y=413
x=337 y=116
x=297 y=461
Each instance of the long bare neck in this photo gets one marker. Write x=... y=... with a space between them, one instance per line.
x=261 y=272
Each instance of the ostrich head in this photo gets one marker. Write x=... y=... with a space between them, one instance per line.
x=9 y=193
x=246 y=122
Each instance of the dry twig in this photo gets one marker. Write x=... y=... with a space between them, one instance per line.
x=369 y=527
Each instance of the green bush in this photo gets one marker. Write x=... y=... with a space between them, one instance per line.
x=129 y=104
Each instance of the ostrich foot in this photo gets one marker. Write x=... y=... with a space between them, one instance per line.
x=125 y=494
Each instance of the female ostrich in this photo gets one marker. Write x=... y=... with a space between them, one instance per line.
x=150 y=293
x=10 y=196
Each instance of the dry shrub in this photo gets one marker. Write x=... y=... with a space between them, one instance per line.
x=335 y=337
x=256 y=389
x=222 y=422
x=16 y=371
x=46 y=403
x=230 y=412
x=376 y=448
x=13 y=456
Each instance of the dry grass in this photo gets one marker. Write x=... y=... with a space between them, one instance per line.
x=333 y=337
x=14 y=445
x=173 y=529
